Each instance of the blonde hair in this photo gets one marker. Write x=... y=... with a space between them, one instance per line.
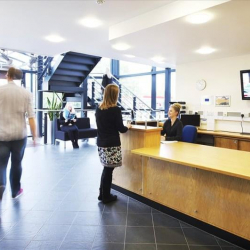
x=176 y=107
x=69 y=105
x=15 y=74
x=110 y=97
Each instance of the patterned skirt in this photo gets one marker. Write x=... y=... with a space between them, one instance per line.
x=110 y=156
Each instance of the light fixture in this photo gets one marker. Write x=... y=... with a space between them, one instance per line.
x=54 y=38
x=90 y=22
x=206 y=50
x=121 y=46
x=198 y=18
x=130 y=56
x=158 y=59
x=100 y=1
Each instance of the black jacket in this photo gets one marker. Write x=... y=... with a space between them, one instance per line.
x=173 y=133
x=62 y=120
x=106 y=81
x=109 y=124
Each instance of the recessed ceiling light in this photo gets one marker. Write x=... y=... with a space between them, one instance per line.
x=206 y=50
x=54 y=38
x=121 y=46
x=91 y=22
x=158 y=59
x=198 y=18
x=130 y=56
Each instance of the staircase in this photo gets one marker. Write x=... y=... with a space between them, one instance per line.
x=69 y=72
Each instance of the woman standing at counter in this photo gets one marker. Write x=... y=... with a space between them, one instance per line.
x=109 y=124
x=172 y=128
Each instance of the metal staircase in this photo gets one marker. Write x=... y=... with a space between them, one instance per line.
x=68 y=72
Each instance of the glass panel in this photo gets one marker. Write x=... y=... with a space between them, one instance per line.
x=127 y=68
x=159 y=69
x=140 y=86
x=100 y=68
x=160 y=91
x=173 y=86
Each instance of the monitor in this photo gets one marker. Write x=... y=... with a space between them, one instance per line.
x=245 y=84
x=190 y=120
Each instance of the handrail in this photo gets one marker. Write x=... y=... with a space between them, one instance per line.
x=117 y=101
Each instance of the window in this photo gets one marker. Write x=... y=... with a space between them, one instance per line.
x=101 y=67
x=173 y=86
x=140 y=86
x=127 y=68
x=160 y=91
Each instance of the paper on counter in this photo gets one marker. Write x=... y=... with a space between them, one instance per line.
x=167 y=142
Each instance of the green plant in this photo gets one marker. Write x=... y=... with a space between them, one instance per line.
x=54 y=104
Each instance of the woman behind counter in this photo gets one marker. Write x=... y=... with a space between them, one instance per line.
x=109 y=124
x=172 y=128
x=67 y=120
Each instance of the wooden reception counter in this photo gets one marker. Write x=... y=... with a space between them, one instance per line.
x=207 y=183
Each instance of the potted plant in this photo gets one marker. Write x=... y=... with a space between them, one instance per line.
x=53 y=104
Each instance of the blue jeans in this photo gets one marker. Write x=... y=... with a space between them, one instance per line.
x=15 y=149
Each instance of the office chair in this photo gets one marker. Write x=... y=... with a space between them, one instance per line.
x=189 y=134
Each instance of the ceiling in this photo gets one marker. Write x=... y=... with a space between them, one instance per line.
x=141 y=24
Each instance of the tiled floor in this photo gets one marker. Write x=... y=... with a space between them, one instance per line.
x=59 y=210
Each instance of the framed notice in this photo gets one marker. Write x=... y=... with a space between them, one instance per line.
x=222 y=101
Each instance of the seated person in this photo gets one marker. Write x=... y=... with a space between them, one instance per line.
x=67 y=121
x=172 y=128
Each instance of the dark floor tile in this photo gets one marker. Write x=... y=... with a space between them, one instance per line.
x=185 y=225
x=81 y=233
x=88 y=218
x=91 y=207
x=23 y=231
x=140 y=247
x=170 y=236
x=110 y=234
x=232 y=248
x=120 y=206
x=140 y=220
x=52 y=233
x=140 y=235
x=61 y=218
x=204 y=248
x=172 y=247
x=114 y=219
x=13 y=216
x=195 y=236
x=72 y=206
x=43 y=245
x=46 y=205
x=108 y=246
x=224 y=243
x=13 y=244
x=162 y=220
x=36 y=217
x=155 y=211
x=75 y=246
x=137 y=207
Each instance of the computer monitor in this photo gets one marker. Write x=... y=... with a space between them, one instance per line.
x=190 y=120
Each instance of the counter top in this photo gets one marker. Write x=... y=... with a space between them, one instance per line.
x=220 y=160
x=222 y=133
x=142 y=128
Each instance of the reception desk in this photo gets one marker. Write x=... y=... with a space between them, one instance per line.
x=209 y=184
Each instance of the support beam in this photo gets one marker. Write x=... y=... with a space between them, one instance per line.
x=39 y=94
x=167 y=89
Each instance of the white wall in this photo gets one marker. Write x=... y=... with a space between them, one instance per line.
x=223 y=78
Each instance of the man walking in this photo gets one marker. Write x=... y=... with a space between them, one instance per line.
x=15 y=104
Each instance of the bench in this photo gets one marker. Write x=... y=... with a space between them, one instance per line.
x=85 y=131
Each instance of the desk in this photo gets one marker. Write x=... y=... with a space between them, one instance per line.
x=130 y=174
x=226 y=139
x=207 y=183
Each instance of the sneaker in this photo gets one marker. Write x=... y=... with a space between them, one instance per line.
x=20 y=192
x=111 y=198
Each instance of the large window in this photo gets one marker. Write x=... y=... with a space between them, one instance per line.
x=127 y=68
x=140 y=86
x=160 y=91
x=101 y=68
x=173 y=86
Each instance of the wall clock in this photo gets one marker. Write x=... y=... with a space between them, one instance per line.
x=200 y=84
